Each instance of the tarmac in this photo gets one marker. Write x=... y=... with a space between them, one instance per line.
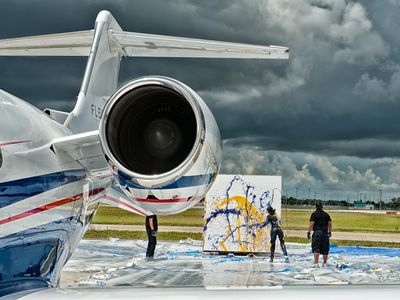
x=122 y=263
x=349 y=236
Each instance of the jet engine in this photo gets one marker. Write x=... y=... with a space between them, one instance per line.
x=162 y=143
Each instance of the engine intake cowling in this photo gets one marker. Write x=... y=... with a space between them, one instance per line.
x=162 y=143
x=153 y=130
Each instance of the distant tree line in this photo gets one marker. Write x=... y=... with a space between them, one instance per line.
x=394 y=203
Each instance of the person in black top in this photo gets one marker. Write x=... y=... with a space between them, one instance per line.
x=151 y=229
x=321 y=225
x=276 y=231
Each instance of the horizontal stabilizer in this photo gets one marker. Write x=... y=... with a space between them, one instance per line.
x=136 y=44
x=150 y=45
x=61 y=44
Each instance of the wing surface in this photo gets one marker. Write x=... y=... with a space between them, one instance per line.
x=137 y=45
x=84 y=148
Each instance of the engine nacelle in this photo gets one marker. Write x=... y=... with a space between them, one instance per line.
x=162 y=143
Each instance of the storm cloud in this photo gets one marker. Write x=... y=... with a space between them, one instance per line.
x=325 y=119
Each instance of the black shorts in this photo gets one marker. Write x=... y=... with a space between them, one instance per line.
x=320 y=242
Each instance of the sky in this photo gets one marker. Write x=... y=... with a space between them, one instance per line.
x=326 y=120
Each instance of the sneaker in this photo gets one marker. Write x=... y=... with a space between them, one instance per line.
x=149 y=258
x=271 y=260
x=286 y=259
x=131 y=264
x=315 y=265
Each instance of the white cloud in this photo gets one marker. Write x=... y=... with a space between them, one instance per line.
x=395 y=172
x=371 y=88
x=394 y=84
x=272 y=85
x=232 y=96
x=296 y=76
x=353 y=26
x=330 y=174
x=377 y=89
x=339 y=29
x=316 y=171
x=319 y=33
x=253 y=162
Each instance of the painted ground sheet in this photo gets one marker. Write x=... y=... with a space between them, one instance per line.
x=178 y=264
x=235 y=211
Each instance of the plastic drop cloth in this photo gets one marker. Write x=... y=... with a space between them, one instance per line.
x=177 y=264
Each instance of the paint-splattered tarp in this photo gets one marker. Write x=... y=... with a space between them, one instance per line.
x=122 y=263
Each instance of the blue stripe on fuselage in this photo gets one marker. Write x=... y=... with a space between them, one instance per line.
x=17 y=190
x=33 y=258
x=183 y=182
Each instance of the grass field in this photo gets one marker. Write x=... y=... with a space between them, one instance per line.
x=141 y=235
x=114 y=215
x=346 y=221
x=342 y=221
x=176 y=236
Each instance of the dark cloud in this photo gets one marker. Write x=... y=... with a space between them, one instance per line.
x=338 y=95
x=363 y=148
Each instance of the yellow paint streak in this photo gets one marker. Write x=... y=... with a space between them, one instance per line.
x=254 y=216
x=223 y=247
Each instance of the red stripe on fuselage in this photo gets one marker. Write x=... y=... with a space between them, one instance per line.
x=49 y=206
x=12 y=143
x=174 y=200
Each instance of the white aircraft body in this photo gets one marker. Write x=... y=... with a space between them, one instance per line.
x=151 y=146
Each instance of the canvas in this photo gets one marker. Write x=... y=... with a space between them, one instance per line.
x=235 y=211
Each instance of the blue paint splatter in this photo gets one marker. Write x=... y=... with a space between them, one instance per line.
x=263 y=201
x=359 y=251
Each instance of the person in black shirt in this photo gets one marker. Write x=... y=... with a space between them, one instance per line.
x=151 y=229
x=276 y=231
x=321 y=225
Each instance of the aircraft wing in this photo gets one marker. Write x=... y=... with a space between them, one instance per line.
x=136 y=44
x=83 y=147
